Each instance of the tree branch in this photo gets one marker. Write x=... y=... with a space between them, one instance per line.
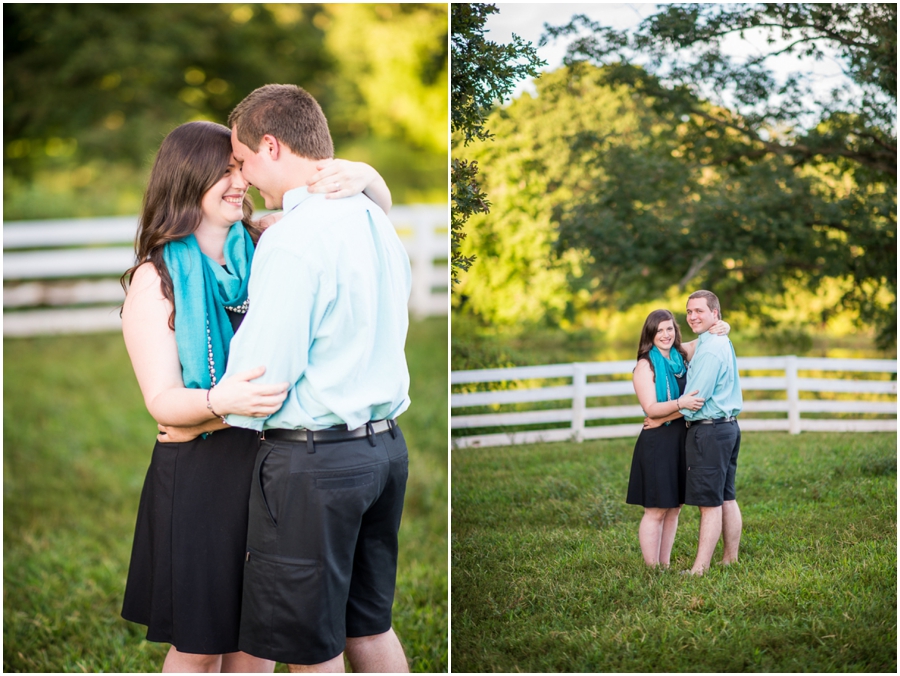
x=885 y=162
x=696 y=266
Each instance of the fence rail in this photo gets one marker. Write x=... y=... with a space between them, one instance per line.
x=577 y=413
x=61 y=276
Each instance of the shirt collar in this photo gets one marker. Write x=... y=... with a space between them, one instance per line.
x=294 y=198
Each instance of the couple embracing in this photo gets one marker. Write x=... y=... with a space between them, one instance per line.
x=687 y=452
x=271 y=355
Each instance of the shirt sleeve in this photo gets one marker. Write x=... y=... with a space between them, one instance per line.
x=285 y=306
x=703 y=374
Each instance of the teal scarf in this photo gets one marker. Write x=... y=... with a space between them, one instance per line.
x=666 y=371
x=203 y=289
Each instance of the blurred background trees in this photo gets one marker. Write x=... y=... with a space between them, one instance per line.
x=90 y=90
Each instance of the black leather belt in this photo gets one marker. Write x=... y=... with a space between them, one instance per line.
x=337 y=433
x=713 y=421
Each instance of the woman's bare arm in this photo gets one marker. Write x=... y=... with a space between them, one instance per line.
x=645 y=388
x=154 y=356
x=342 y=178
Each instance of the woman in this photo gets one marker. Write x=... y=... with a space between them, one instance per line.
x=657 y=467
x=186 y=297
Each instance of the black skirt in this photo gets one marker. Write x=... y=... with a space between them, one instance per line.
x=187 y=561
x=658 y=467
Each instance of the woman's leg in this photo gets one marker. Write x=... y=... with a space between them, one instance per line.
x=189 y=663
x=650 y=534
x=670 y=525
x=242 y=663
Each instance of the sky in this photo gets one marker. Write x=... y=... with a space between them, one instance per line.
x=527 y=21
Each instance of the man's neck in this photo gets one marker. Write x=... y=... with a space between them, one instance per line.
x=298 y=171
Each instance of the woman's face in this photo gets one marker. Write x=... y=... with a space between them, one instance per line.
x=665 y=335
x=223 y=203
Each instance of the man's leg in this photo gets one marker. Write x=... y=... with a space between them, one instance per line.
x=379 y=654
x=731 y=530
x=732 y=523
x=333 y=666
x=710 y=530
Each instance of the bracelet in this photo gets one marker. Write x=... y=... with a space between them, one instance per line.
x=677 y=404
x=209 y=406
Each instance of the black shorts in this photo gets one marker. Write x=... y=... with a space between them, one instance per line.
x=711 y=453
x=321 y=559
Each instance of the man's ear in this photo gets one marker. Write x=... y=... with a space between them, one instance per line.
x=271 y=145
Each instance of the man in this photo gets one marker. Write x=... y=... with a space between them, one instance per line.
x=328 y=313
x=713 y=436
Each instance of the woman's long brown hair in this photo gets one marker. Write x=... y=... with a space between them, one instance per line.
x=191 y=160
x=648 y=333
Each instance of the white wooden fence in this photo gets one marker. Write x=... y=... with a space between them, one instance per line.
x=61 y=276
x=881 y=399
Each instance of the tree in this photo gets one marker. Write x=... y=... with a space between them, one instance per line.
x=484 y=73
x=681 y=45
x=787 y=186
x=111 y=80
x=90 y=90
x=391 y=71
x=602 y=205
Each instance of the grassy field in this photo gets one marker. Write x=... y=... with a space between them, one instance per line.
x=77 y=442
x=547 y=574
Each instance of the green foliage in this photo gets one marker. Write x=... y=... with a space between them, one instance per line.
x=73 y=467
x=548 y=574
x=604 y=201
x=530 y=170
x=682 y=44
x=803 y=186
x=484 y=73
x=468 y=199
x=391 y=75
x=110 y=80
x=92 y=89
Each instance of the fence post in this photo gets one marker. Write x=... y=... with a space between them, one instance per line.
x=579 y=400
x=421 y=266
x=793 y=394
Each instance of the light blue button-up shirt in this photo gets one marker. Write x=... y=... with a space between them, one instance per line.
x=328 y=298
x=714 y=372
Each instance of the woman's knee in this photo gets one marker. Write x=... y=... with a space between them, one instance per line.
x=655 y=513
x=179 y=661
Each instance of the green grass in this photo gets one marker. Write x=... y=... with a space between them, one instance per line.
x=77 y=442
x=547 y=574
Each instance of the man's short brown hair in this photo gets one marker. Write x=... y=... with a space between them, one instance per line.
x=712 y=301
x=287 y=112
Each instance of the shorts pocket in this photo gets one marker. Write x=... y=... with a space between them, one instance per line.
x=704 y=485
x=278 y=594
x=279 y=560
x=330 y=483
x=701 y=440
x=725 y=436
x=264 y=483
